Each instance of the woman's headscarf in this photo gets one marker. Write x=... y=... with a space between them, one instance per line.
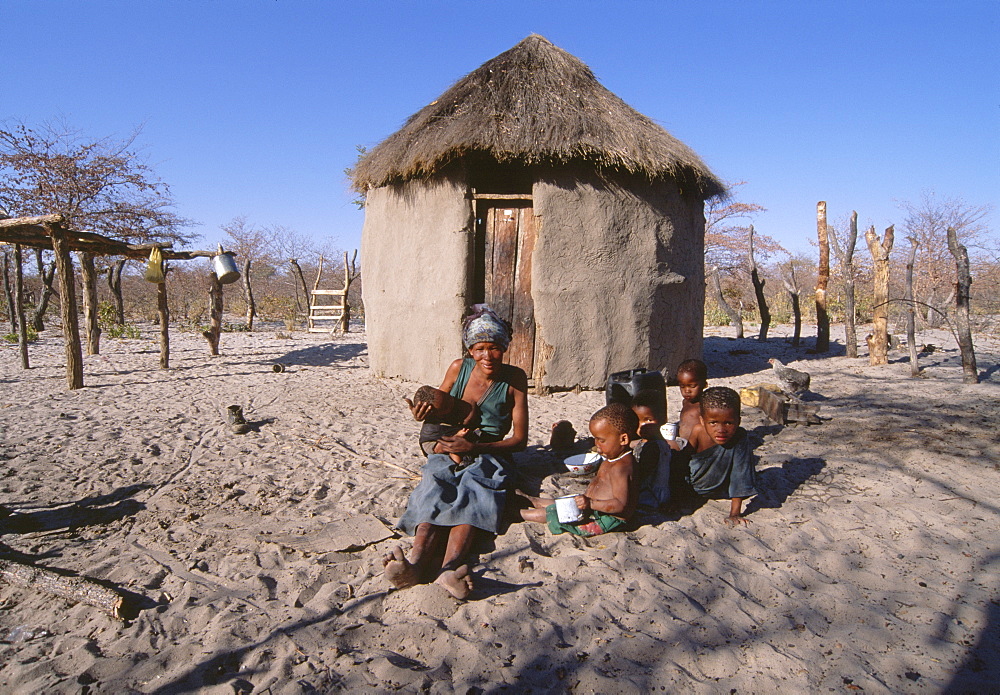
x=483 y=325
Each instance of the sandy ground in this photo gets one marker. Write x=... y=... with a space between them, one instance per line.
x=871 y=565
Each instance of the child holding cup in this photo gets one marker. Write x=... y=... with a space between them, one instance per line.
x=610 y=499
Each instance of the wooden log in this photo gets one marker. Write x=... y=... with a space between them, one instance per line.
x=772 y=404
x=163 y=311
x=22 y=324
x=75 y=589
x=67 y=294
x=91 y=323
x=780 y=410
x=25 y=221
x=806 y=413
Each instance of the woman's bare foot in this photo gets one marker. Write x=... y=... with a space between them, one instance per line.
x=400 y=572
x=458 y=582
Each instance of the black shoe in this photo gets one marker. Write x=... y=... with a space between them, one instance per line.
x=236 y=421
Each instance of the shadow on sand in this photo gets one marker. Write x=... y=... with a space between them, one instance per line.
x=324 y=355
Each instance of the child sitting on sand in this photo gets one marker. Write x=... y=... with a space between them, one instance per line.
x=722 y=464
x=652 y=452
x=610 y=498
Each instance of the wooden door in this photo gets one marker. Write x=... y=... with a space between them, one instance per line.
x=508 y=243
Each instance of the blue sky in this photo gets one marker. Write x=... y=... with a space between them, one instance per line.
x=255 y=107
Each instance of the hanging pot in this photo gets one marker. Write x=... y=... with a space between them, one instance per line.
x=224 y=265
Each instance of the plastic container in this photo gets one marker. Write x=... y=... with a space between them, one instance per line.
x=623 y=386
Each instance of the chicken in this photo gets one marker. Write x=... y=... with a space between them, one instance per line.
x=792 y=381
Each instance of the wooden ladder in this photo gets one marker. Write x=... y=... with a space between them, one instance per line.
x=322 y=315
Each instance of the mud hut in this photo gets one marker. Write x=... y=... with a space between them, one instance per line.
x=530 y=186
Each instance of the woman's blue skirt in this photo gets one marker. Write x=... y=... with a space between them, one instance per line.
x=452 y=496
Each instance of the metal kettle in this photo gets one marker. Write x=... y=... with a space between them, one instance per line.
x=224 y=265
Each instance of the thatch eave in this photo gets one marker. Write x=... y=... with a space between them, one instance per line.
x=538 y=105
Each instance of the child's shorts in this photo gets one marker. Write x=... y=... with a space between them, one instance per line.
x=599 y=523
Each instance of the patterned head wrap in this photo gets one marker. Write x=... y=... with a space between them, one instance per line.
x=483 y=325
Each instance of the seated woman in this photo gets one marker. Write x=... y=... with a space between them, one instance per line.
x=453 y=500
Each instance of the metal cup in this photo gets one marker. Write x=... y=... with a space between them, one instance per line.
x=566 y=509
x=277 y=367
x=669 y=431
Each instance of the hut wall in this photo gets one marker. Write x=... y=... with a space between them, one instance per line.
x=414 y=247
x=617 y=278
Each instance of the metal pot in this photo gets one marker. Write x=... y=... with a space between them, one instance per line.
x=224 y=265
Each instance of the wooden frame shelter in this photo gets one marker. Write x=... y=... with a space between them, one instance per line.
x=49 y=232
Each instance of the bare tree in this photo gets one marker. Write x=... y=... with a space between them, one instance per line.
x=758 y=288
x=962 y=292
x=253 y=246
x=911 y=334
x=735 y=318
x=99 y=185
x=727 y=244
x=878 y=341
x=927 y=221
x=845 y=256
x=350 y=275
x=289 y=246
x=9 y=293
x=47 y=274
x=822 y=280
x=793 y=289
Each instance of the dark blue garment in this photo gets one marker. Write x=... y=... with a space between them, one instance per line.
x=451 y=496
x=653 y=459
x=725 y=470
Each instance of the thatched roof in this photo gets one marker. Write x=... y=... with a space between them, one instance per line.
x=533 y=104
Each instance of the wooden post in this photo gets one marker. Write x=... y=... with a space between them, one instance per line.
x=758 y=289
x=963 y=287
x=22 y=324
x=878 y=341
x=822 y=280
x=215 y=304
x=163 y=311
x=248 y=295
x=911 y=337
x=734 y=316
x=9 y=294
x=90 y=319
x=67 y=295
x=319 y=272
